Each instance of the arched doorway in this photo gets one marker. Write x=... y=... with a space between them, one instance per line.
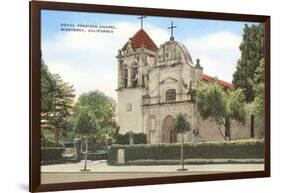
x=167 y=135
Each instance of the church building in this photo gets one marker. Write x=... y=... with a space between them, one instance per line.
x=156 y=83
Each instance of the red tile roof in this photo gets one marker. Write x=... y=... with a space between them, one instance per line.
x=224 y=84
x=142 y=39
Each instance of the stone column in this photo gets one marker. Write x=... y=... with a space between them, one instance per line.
x=119 y=71
x=121 y=156
x=77 y=149
x=140 y=70
x=129 y=78
x=119 y=83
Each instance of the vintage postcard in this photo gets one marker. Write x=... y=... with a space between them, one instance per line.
x=137 y=96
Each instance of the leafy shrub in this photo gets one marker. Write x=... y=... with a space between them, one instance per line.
x=242 y=149
x=47 y=143
x=139 y=138
x=51 y=153
x=122 y=139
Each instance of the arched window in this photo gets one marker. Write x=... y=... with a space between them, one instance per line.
x=171 y=95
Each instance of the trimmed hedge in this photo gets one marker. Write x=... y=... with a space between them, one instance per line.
x=242 y=149
x=194 y=161
x=139 y=138
x=95 y=156
x=51 y=154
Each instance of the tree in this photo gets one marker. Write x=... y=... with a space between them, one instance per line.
x=102 y=108
x=221 y=106
x=56 y=102
x=47 y=96
x=62 y=105
x=181 y=125
x=258 y=103
x=47 y=89
x=252 y=52
x=85 y=123
x=93 y=118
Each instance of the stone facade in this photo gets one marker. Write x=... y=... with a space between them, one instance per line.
x=156 y=84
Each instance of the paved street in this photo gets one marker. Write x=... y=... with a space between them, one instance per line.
x=99 y=170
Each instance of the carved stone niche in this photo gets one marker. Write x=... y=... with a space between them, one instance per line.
x=170 y=95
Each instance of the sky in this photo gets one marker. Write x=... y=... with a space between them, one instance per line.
x=87 y=60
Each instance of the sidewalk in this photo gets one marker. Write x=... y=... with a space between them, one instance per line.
x=99 y=170
x=101 y=166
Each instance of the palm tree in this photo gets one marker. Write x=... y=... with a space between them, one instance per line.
x=181 y=125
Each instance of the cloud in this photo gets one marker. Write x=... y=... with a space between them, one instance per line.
x=218 y=53
x=159 y=36
x=87 y=60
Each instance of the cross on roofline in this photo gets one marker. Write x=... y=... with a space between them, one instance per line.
x=172 y=31
x=141 y=18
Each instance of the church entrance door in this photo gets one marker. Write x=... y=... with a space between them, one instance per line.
x=167 y=135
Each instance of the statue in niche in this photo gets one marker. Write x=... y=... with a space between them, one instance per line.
x=195 y=136
x=131 y=137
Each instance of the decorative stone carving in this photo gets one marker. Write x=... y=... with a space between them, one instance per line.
x=160 y=83
x=170 y=95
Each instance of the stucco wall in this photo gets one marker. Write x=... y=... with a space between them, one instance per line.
x=130 y=120
x=172 y=69
x=208 y=129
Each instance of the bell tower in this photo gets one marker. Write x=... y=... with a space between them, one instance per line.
x=134 y=59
